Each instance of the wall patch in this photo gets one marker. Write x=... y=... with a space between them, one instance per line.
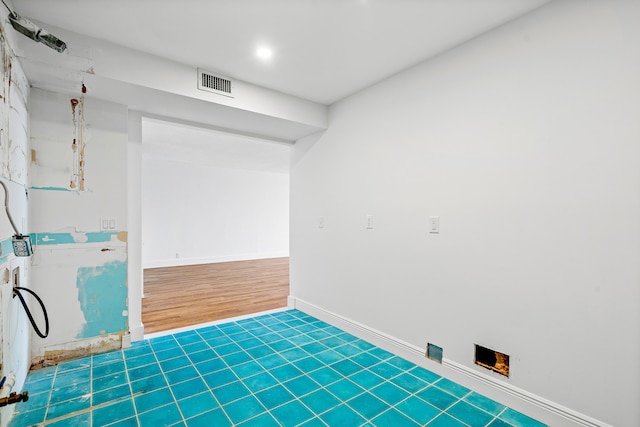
x=102 y=292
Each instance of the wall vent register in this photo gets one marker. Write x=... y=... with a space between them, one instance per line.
x=211 y=82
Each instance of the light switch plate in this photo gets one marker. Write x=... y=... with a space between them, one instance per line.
x=434 y=224
x=108 y=223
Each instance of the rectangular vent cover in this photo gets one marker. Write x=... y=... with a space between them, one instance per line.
x=434 y=352
x=214 y=83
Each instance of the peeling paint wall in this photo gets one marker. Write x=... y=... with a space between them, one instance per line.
x=78 y=214
x=14 y=168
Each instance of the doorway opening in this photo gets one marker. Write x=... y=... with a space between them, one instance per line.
x=215 y=225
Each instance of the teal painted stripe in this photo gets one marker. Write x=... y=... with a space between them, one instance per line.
x=54 y=238
x=67 y=238
x=54 y=189
x=6 y=248
x=100 y=236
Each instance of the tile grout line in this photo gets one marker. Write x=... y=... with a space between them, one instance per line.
x=226 y=414
x=276 y=352
x=322 y=386
x=155 y=356
x=251 y=392
x=347 y=377
x=91 y=391
x=53 y=382
x=133 y=400
x=199 y=376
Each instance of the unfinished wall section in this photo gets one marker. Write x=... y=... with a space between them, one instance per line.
x=14 y=150
x=78 y=211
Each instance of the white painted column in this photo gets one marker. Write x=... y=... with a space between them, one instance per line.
x=134 y=220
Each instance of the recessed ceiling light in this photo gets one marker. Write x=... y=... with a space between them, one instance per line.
x=264 y=53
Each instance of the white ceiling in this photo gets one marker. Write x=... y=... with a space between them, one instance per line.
x=324 y=50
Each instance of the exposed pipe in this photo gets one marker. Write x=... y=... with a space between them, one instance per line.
x=6 y=207
x=9 y=382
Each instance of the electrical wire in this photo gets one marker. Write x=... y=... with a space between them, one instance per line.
x=6 y=204
x=5 y=5
x=16 y=291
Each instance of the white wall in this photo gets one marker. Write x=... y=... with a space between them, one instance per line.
x=526 y=143
x=200 y=213
x=79 y=269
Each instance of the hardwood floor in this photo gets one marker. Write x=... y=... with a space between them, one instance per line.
x=189 y=295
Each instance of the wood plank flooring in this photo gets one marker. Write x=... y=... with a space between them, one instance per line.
x=189 y=295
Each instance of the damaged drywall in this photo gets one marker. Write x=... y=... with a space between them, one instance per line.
x=14 y=168
x=102 y=293
x=85 y=289
x=56 y=354
x=78 y=146
x=5 y=59
x=13 y=107
x=77 y=237
x=79 y=179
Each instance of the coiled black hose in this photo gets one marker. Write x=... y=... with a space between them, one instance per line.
x=16 y=291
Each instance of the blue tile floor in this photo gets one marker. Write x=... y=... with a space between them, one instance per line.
x=279 y=369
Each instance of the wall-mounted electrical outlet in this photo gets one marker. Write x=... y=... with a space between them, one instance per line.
x=369 y=222
x=108 y=224
x=15 y=277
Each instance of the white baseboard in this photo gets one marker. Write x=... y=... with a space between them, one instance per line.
x=521 y=400
x=175 y=262
x=136 y=332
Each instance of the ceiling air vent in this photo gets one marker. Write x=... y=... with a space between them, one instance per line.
x=214 y=83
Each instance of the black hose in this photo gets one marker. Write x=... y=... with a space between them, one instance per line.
x=16 y=290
